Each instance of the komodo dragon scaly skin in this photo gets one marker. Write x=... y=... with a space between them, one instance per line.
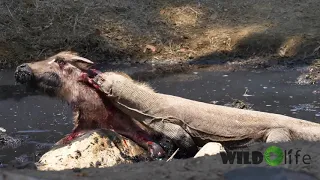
x=204 y=122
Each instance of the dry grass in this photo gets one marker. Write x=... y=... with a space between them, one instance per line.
x=127 y=30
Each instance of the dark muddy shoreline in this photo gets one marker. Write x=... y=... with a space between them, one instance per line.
x=203 y=168
x=149 y=71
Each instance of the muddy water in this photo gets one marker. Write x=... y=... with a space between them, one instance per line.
x=270 y=91
x=41 y=121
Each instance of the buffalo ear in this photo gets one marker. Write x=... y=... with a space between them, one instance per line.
x=81 y=62
x=74 y=59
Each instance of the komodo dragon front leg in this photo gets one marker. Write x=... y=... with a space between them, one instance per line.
x=278 y=135
x=274 y=135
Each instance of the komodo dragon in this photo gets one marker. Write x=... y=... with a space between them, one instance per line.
x=231 y=127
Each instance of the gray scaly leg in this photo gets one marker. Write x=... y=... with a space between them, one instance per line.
x=278 y=135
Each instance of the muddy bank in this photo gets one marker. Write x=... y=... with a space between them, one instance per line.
x=208 y=167
x=159 y=31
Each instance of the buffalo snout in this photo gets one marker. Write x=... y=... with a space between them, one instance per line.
x=23 y=73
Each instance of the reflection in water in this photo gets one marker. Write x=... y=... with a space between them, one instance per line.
x=304 y=107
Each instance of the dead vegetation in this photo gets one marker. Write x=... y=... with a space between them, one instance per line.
x=312 y=76
x=131 y=30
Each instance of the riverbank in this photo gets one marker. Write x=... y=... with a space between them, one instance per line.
x=161 y=32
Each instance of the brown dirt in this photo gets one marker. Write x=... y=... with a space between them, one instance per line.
x=131 y=30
